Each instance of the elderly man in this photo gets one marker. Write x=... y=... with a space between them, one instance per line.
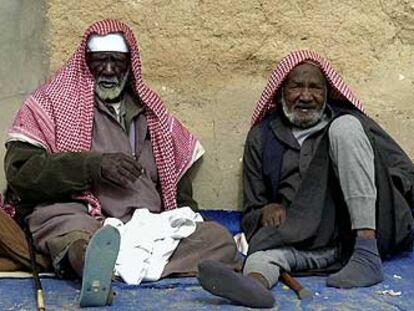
x=96 y=142
x=325 y=188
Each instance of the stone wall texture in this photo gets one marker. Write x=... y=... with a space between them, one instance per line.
x=23 y=59
x=210 y=59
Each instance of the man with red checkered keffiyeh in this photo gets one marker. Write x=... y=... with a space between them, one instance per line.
x=325 y=188
x=97 y=142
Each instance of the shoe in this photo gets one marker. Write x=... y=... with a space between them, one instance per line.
x=100 y=259
x=218 y=279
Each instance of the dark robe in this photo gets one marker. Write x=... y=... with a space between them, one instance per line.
x=318 y=215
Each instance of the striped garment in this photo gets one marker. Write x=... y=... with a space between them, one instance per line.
x=338 y=89
x=59 y=117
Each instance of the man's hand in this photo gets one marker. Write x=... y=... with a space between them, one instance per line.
x=273 y=214
x=120 y=169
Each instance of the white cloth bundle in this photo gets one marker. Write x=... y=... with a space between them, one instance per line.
x=148 y=240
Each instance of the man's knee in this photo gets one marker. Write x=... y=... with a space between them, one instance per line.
x=281 y=257
x=347 y=138
x=219 y=240
x=214 y=232
x=257 y=257
x=345 y=128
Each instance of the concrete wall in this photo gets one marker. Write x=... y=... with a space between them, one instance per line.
x=23 y=59
x=210 y=60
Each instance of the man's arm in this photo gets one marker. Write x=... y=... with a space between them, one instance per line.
x=37 y=176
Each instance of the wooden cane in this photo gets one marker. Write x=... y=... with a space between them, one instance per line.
x=300 y=291
x=38 y=285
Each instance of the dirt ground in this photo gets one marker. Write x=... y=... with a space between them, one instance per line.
x=210 y=60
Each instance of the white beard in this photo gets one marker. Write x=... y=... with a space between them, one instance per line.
x=112 y=92
x=302 y=122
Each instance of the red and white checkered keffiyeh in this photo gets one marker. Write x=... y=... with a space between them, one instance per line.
x=59 y=116
x=338 y=89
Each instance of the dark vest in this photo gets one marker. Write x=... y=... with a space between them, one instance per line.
x=272 y=157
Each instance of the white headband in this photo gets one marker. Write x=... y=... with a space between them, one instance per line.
x=113 y=42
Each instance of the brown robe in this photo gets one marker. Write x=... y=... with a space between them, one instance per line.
x=56 y=226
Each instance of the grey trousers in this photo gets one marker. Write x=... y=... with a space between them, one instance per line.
x=353 y=160
x=269 y=263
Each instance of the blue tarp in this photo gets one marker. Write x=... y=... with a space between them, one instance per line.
x=186 y=294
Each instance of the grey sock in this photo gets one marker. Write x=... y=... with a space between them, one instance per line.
x=364 y=268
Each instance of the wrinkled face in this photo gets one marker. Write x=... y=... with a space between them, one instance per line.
x=110 y=70
x=304 y=95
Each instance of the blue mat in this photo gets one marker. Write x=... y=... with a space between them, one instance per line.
x=186 y=294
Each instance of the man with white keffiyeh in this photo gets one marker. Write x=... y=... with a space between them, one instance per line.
x=96 y=142
x=325 y=188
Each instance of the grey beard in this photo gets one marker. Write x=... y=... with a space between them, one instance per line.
x=113 y=92
x=297 y=121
